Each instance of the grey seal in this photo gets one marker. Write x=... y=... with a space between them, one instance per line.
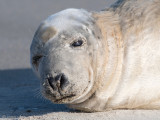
x=97 y=61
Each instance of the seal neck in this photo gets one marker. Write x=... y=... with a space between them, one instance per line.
x=110 y=73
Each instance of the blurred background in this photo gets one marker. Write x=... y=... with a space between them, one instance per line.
x=19 y=20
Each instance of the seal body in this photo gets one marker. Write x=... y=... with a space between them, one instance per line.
x=97 y=61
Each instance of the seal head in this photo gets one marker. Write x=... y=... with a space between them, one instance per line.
x=64 y=54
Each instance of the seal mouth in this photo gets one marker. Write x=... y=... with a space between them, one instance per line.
x=68 y=95
x=66 y=98
x=61 y=100
x=57 y=96
x=69 y=98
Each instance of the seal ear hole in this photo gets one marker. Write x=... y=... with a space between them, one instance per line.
x=35 y=60
x=78 y=43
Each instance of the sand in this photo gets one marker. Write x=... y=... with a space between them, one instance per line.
x=19 y=88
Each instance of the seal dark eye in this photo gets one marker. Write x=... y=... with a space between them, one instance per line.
x=36 y=59
x=77 y=43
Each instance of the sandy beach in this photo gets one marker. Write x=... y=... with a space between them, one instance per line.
x=19 y=88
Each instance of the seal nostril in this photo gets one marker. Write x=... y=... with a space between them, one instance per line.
x=60 y=81
x=58 y=77
x=63 y=81
x=51 y=82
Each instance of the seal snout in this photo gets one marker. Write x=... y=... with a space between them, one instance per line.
x=57 y=83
